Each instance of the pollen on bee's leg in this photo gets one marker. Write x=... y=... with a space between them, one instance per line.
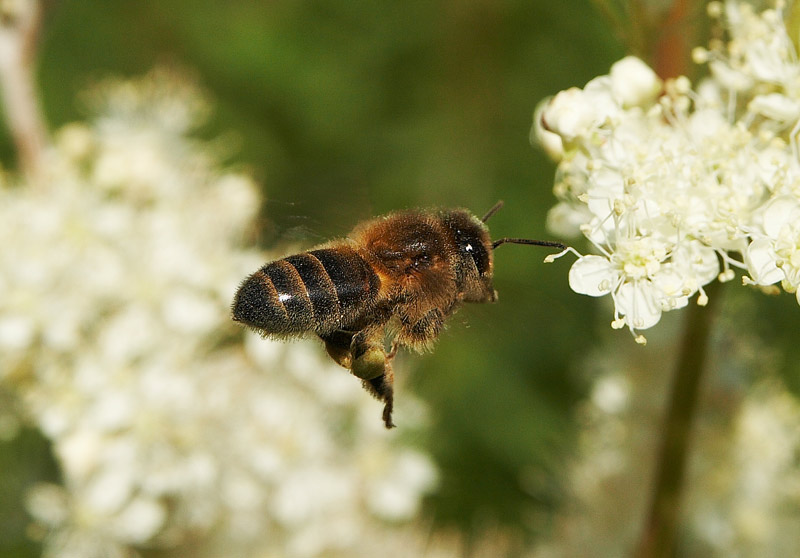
x=369 y=357
x=368 y=362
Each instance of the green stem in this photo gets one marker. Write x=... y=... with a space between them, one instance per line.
x=661 y=527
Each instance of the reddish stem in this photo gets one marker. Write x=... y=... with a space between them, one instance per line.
x=672 y=52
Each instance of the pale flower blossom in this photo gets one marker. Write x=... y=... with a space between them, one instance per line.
x=742 y=482
x=774 y=254
x=633 y=83
x=673 y=187
x=172 y=428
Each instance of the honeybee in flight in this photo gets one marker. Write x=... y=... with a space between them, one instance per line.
x=398 y=276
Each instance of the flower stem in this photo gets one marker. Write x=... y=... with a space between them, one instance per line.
x=678 y=31
x=661 y=527
x=19 y=33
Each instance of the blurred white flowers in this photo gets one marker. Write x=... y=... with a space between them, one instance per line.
x=743 y=485
x=116 y=280
x=675 y=187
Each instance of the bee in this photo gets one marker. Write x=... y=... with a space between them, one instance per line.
x=394 y=279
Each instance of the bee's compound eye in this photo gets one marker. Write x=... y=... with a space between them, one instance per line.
x=471 y=244
x=470 y=235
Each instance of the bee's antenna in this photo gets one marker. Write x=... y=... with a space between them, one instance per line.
x=549 y=243
x=495 y=208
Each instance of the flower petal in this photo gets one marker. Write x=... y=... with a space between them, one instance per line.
x=592 y=275
x=781 y=211
x=760 y=260
x=674 y=290
x=638 y=302
x=775 y=106
x=696 y=261
x=633 y=83
x=605 y=186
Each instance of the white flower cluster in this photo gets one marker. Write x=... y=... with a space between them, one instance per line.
x=674 y=187
x=742 y=485
x=762 y=486
x=116 y=277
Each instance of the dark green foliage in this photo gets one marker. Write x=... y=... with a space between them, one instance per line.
x=24 y=461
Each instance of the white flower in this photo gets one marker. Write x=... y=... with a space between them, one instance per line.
x=774 y=254
x=743 y=491
x=775 y=106
x=547 y=140
x=633 y=83
x=169 y=428
x=759 y=46
x=635 y=277
x=677 y=190
x=577 y=113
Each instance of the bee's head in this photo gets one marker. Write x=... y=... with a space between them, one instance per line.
x=474 y=264
x=476 y=252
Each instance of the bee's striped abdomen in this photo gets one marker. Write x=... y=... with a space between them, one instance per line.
x=354 y=281
x=321 y=290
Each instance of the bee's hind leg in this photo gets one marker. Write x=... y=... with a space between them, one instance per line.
x=382 y=388
x=369 y=358
x=372 y=364
x=337 y=343
x=363 y=354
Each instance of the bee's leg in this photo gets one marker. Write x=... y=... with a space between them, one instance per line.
x=382 y=388
x=393 y=351
x=338 y=344
x=369 y=356
x=371 y=364
x=421 y=333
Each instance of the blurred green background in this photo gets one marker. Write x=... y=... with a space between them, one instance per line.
x=344 y=110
